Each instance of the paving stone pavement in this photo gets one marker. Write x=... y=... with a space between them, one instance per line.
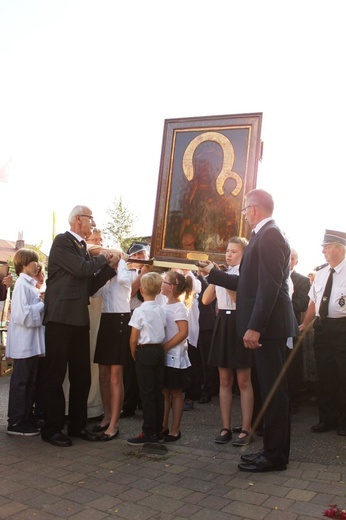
x=194 y=478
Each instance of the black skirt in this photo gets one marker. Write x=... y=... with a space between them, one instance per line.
x=112 y=345
x=227 y=349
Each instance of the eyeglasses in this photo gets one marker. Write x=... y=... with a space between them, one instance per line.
x=89 y=216
x=163 y=281
x=243 y=211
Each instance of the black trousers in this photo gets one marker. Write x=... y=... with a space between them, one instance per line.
x=294 y=374
x=131 y=390
x=67 y=346
x=330 y=354
x=150 y=366
x=269 y=360
x=195 y=373
x=257 y=404
x=22 y=388
x=211 y=381
x=39 y=387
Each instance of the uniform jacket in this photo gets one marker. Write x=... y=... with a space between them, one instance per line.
x=263 y=301
x=73 y=276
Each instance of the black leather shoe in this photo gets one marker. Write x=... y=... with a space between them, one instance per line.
x=260 y=465
x=126 y=413
x=249 y=457
x=85 y=434
x=341 y=430
x=323 y=427
x=109 y=436
x=58 y=439
x=99 y=429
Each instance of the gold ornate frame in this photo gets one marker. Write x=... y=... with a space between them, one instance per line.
x=208 y=164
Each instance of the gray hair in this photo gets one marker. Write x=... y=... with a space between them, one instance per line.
x=261 y=198
x=77 y=210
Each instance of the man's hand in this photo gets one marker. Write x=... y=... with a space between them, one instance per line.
x=113 y=262
x=107 y=253
x=205 y=267
x=251 y=338
x=7 y=280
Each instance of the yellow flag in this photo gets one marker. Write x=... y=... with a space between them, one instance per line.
x=54 y=225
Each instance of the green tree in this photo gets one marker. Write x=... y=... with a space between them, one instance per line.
x=120 y=224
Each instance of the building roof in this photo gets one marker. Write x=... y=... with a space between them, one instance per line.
x=8 y=249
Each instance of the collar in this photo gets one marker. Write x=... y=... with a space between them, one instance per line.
x=28 y=278
x=340 y=266
x=78 y=237
x=262 y=223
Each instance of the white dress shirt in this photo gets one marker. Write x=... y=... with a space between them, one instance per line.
x=116 y=293
x=338 y=293
x=25 y=336
x=150 y=320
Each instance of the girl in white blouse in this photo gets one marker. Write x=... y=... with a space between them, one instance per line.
x=175 y=285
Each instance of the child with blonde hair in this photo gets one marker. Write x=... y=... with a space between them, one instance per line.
x=147 y=335
x=227 y=351
x=175 y=286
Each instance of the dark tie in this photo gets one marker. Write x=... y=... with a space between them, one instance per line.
x=326 y=295
x=84 y=246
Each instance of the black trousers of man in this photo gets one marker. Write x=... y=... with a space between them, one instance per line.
x=330 y=354
x=269 y=361
x=67 y=346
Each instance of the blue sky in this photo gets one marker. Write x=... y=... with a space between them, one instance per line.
x=86 y=86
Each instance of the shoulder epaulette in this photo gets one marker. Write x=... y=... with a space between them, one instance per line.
x=319 y=267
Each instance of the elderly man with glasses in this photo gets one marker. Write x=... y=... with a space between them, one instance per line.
x=73 y=276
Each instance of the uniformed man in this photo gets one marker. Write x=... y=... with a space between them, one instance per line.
x=328 y=307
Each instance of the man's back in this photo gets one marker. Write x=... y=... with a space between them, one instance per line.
x=263 y=301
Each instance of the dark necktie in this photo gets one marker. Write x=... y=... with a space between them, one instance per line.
x=84 y=246
x=326 y=295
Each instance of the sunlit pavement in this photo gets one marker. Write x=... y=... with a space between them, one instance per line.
x=195 y=478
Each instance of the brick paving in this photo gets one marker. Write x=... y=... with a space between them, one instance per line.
x=198 y=481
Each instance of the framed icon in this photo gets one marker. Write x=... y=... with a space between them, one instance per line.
x=208 y=164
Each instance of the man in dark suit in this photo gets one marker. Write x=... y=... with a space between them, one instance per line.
x=73 y=276
x=300 y=301
x=265 y=320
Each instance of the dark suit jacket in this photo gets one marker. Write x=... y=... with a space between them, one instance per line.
x=263 y=301
x=300 y=296
x=207 y=315
x=3 y=292
x=73 y=276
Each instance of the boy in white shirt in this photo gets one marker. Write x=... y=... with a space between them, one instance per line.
x=25 y=343
x=148 y=324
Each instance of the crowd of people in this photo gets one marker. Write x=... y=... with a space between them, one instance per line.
x=162 y=340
